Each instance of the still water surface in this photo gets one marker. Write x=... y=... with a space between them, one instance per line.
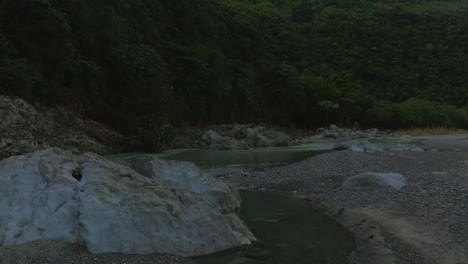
x=288 y=230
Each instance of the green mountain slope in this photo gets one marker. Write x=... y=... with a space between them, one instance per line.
x=138 y=64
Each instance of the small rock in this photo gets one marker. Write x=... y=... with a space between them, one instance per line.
x=393 y=181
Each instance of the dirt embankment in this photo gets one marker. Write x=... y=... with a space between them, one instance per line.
x=25 y=128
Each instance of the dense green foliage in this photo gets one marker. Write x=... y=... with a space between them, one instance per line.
x=143 y=64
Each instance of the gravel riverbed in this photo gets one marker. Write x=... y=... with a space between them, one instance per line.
x=53 y=252
x=425 y=222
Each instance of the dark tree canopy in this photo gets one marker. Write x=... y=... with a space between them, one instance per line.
x=138 y=64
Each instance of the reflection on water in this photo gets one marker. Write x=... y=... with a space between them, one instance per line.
x=289 y=232
x=264 y=156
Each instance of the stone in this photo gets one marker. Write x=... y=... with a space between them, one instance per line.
x=25 y=128
x=185 y=175
x=109 y=207
x=393 y=181
x=219 y=142
x=330 y=134
x=402 y=147
x=333 y=127
x=268 y=138
x=273 y=138
x=211 y=136
x=250 y=132
x=357 y=146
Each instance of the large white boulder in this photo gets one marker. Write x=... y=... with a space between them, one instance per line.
x=108 y=207
x=185 y=175
x=370 y=179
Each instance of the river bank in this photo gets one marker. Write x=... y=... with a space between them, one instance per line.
x=425 y=222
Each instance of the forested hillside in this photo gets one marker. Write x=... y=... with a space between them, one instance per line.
x=144 y=64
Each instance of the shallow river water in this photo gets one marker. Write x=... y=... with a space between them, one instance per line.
x=259 y=157
x=288 y=230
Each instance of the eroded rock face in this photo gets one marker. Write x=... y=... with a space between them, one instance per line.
x=393 y=181
x=334 y=132
x=25 y=128
x=246 y=137
x=108 y=207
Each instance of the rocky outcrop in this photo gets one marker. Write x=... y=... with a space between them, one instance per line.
x=393 y=181
x=358 y=146
x=366 y=146
x=218 y=142
x=108 y=207
x=334 y=132
x=267 y=138
x=25 y=128
x=244 y=137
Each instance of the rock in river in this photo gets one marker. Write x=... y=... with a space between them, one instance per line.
x=109 y=207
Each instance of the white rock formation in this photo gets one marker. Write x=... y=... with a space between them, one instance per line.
x=185 y=175
x=370 y=179
x=108 y=207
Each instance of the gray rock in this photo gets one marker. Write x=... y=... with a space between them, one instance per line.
x=357 y=146
x=333 y=127
x=321 y=129
x=219 y=142
x=250 y=132
x=370 y=179
x=402 y=147
x=330 y=134
x=211 y=136
x=185 y=175
x=268 y=138
x=108 y=207
x=25 y=128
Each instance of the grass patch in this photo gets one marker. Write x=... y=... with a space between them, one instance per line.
x=432 y=131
